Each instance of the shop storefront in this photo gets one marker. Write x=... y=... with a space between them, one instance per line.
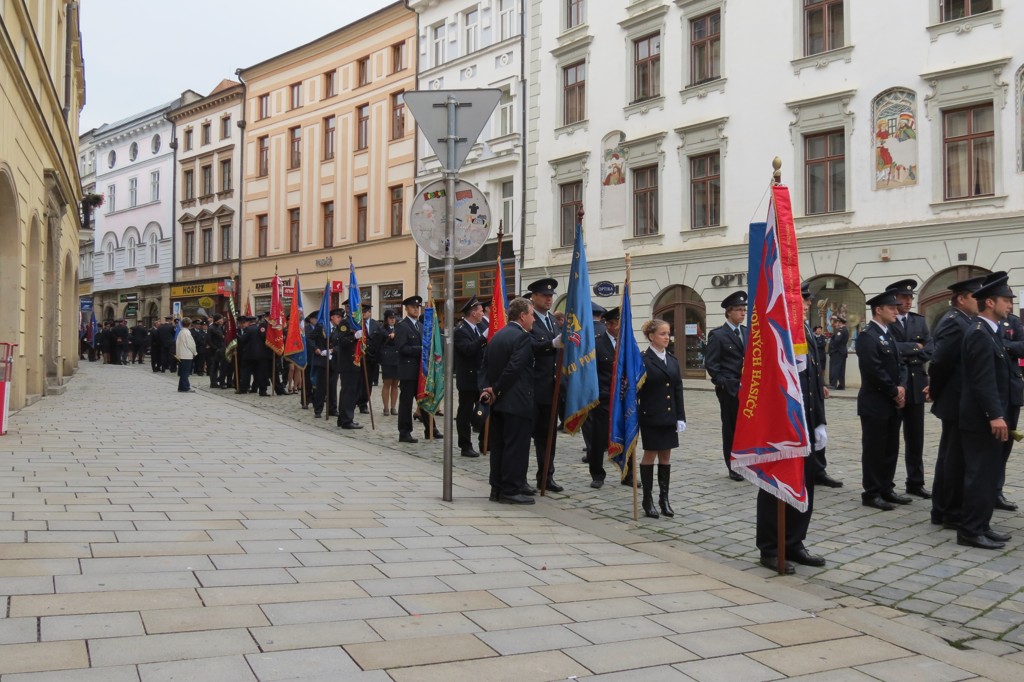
x=474 y=276
x=199 y=299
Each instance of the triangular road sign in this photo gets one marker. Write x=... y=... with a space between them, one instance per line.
x=474 y=108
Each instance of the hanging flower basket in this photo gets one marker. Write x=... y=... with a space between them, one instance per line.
x=92 y=200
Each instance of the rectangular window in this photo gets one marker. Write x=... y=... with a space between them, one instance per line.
x=363 y=71
x=295 y=147
x=293 y=230
x=225 y=242
x=574 y=87
x=207 y=172
x=471 y=30
x=188 y=139
x=329 y=126
x=133 y=191
x=506 y=113
x=398 y=116
x=437 y=44
x=262 y=235
x=295 y=92
x=571 y=194
x=154 y=186
x=361 y=205
x=328 y=218
x=330 y=84
x=397 y=57
x=264 y=106
x=508 y=26
x=189 y=185
x=190 y=247
x=225 y=175
x=951 y=10
x=207 y=133
x=968 y=137
x=363 y=127
x=111 y=200
x=508 y=205
x=263 y=155
x=647 y=67
x=575 y=13
x=823 y=25
x=225 y=127
x=825 y=173
x=645 y=201
x=397 y=211
x=208 y=245
x=706 y=48
x=705 y=190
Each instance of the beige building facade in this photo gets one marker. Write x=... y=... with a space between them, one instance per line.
x=329 y=154
x=42 y=91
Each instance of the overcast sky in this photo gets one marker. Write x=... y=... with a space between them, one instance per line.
x=141 y=53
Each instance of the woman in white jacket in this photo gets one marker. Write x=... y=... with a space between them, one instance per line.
x=185 y=351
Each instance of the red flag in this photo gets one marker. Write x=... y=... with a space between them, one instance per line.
x=498 y=316
x=275 y=328
x=295 y=341
x=248 y=305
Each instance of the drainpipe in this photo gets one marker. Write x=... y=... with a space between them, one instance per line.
x=174 y=209
x=415 y=172
x=522 y=159
x=241 y=185
x=68 y=61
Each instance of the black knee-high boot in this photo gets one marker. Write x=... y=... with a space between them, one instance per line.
x=647 y=481
x=664 y=476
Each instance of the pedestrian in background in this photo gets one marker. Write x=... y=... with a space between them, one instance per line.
x=662 y=416
x=383 y=341
x=185 y=351
x=723 y=360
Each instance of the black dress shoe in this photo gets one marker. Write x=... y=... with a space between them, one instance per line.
x=470 y=452
x=896 y=498
x=919 y=491
x=352 y=425
x=264 y=394
x=805 y=558
x=318 y=415
x=828 y=481
x=552 y=486
x=407 y=439
x=528 y=489
x=628 y=480
x=979 y=541
x=734 y=476
x=997 y=536
x=772 y=562
x=495 y=492
x=597 y=483
x=363 y=409
x=1005 y=504
x=937 y=519
x=516 y=499
x=878 y=503
x=584 y=460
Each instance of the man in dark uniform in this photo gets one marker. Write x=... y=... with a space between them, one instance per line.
x=814 y=393
x=984 y=406
x=1013 y=340
x=215 y=351
x=915 y=345
x=199 y=336
x=409 y=342
x=343 y=347
x=318 y=339
x=166 y=341
x=309 y=329
x=337 y=317
x=264 y=357
x=881 y=397
x=604 y=346
x=248 y=353
x=470 y=343
x=945 y=387
x=723 y=359
x=370 y=327
x=837 y=352
x=547 y=339
x=138 y=335
x=121 y=343
x=507 y=385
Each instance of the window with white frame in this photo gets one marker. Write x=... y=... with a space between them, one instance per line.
x=575 y=13
x=129 y=249
x=154 y=186
x=825 y=172
x=647 y=67
x=952 y=10
x=645 y=201
x=968 y=163
x=702 y=148
x=706 y=48
x=437 y=44
x=507 y=21
x=111 y=198
x=189 y=247
x=568 y=185
x=133 y=191
x=508 y=203
x=820 y=134
x=225 y=241
x=824 y=26
x=153 y=241
x=506 y=112
x=471 y=31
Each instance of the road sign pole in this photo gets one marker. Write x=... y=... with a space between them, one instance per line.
x=450 y=174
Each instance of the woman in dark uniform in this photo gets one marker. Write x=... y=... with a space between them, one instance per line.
x=662 y=417
x=384 y=343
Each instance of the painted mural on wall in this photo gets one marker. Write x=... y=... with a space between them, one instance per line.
x=613 y=179
x=895 y=138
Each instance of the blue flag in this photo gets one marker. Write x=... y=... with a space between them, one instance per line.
x=580 y=364
x=628 y=376
x=355 y=312
x=323 y=317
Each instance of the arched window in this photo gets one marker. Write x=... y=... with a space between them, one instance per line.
x=109 y=245
x=836 y=296
x=686 y=314
x=152 y=239
x=933 y=296
x=129 y=247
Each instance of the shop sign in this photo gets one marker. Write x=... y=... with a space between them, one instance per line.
x=470 y=284
x=131 y=310
x=269 y=283
x=391 y=293
x=325 y=262
x=206 y=302
x=85 y=304
x=738 y=279
x=128 y=298
x=190 y=290
x=337 y=286
x=604 y=288
x=226 y=288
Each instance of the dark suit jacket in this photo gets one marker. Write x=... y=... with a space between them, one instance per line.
x=881 y=373
x=946 y=369
x=723 y=358
x=469 y=353
x=1013 y=341
x=249 y=342
x=987 y=370
x=605 y=363
x=819 y=345
x=409 y=342
x=508 y=370
x=661 y=397
x=317 y=340
x=215 y=338
x=837 y=345
x=384 y=348
x=545 y=356
x=914 y=358
x=812 y=387
x=343 y=345
x=165 y=333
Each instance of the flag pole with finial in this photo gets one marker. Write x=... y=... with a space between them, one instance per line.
x=780 y=505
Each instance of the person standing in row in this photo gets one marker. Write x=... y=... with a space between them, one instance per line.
x=139 y=335
x=318 y=340
x=881 y=397
x=984 y=409
x=470 y=343
x=185 y=351
x=370 y=359
x=838 y=349
x=945 y=388
x=215 y=352
x=343 y=346
x=723 y=359
x=383 y=343
x=910 y=331
x=547 y=339
x=507 y=385
x=661 y=414
x=308 y=329
x=409 y=342
x=605 y=343
x=155 y=348
x=1013 y=340
x=166 y=341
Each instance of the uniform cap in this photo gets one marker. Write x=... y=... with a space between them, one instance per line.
x=340 y=312
x=968 y=286
x=611 y=315
x=805 y=291
x=544 y=286
x=887 y=297
x=904 y=286
x=597 y=309
x=995 y=285
x=737 y=298
x=470 y=304
x=413 y=300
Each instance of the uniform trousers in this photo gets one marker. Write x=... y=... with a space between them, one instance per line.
x=307 y=384
x=1012 y=418
x=318 y=375
x=982 y=455
x=216 y=367
x=880 y=454
x=466 y=418
x=245 y=375
x=598 y=443
x=347 y=398
x=510 y=451
x=155 y=360
x=797 y=522
x=729 y=406
x=947 y=487
x=406 y=397
x=913 y=443
x=837 y=371
x=541 y=425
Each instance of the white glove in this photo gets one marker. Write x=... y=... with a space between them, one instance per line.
x=680 y=426
x=359 y=334
x=557 y=342
x=820 y=438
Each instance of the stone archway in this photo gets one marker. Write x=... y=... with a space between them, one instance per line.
x=33 y=351
x=51 y=298
x=933 y=296
x=71 y=319
x=685 y=311
x=10 y=261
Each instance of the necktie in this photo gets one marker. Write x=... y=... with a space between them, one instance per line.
x=739 y=335
x=547 y=323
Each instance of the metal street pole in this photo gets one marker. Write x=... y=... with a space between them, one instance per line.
x=450 y=173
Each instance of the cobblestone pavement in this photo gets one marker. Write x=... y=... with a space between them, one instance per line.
x=147 y=535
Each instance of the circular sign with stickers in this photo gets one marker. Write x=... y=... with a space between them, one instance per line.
x=472 y=219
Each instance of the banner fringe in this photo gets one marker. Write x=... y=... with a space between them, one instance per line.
x=770 y=489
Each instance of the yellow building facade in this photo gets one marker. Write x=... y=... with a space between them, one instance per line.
x=42 y=91
x=329 y=157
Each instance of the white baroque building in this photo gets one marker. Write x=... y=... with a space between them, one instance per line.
x=899 y=135
x=478 y=45
x=134 y=170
